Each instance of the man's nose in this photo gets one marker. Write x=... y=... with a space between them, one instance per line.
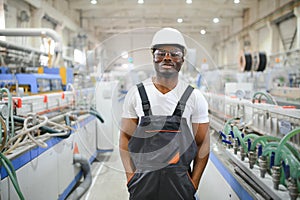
x=167 y=56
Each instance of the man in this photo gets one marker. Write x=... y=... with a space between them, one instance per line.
x=164 y=128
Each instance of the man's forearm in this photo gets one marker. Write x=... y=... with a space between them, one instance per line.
x=202 y=139
x=198 y=168
x=125 y=155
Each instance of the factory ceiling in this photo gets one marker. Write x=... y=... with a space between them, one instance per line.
x=107 y=17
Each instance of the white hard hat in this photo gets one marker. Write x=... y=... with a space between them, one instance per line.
x=168 y=36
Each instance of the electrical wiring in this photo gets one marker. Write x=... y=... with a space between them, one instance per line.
x=26 y=130
x=14 y=146
x=34 y=129
x=42 y=122
x=37 y=141
x=20 y=136
x=65 y=127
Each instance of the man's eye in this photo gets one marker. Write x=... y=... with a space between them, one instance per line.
x=175 y=54
x=161 y=53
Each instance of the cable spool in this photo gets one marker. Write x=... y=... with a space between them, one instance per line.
x=245 y=62
x=259 y=61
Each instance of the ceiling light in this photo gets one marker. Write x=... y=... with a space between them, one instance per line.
x=140 y=1
x=94 y=2
x=125 y=66
x=179 y=20
x=124 y=54
x=216 y=20
x=203 y=31
x=236 y=1
x=189 y=1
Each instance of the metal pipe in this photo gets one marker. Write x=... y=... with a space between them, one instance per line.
x=10 y=45
x=84 y=186
x=35 y=32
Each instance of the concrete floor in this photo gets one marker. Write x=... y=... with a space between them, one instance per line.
x=109 y=180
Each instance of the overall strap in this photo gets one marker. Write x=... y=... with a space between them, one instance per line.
x=144 y=98
x=182 y=102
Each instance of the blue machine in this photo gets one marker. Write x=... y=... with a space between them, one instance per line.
x=7 y=80
x=36 y=83
x=65 y=73
x=4 y=70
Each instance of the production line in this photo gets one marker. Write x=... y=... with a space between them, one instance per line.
x=262 y=143
x=61 y=113
x=45 y=123
x=255 y=141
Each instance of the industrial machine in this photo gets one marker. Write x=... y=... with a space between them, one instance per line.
x=255 y=129
x=259 y=146
x=49 y=129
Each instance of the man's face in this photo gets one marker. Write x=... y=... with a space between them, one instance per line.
x=167 y=60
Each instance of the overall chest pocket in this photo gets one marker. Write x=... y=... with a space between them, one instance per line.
x=156 y=140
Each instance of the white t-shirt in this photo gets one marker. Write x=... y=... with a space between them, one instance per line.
x=196 y=109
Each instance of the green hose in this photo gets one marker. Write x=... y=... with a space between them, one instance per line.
x=268 y=151
x=282 y=143
x=253 y=137
x=298 y=179
x=287 y=160
x=237 y=133
x=227 y=127
x=12 y=174
x=263 y=140
x=286 y=152
x=269 y=98
x=287 y=156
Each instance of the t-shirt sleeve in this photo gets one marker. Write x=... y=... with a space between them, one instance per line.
x=130 y=104
x=200 y=113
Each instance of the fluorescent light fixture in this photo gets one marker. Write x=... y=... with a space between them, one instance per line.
x=236 y=1
x=179 y=20
x=140 y=1
x=94 y=2
x=202 y=31
x=216 y=20
x=189 y=1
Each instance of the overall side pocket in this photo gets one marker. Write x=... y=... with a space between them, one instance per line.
x=131 y=179
x=191 y=181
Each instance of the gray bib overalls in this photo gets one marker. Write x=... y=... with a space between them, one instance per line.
x=162 y=149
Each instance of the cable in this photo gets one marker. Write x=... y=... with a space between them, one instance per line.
x=12 y=174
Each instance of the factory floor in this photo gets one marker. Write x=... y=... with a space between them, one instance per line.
x=109 y=180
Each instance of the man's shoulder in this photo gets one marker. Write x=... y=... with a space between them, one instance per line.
x=147 y=82
x=134 y=88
